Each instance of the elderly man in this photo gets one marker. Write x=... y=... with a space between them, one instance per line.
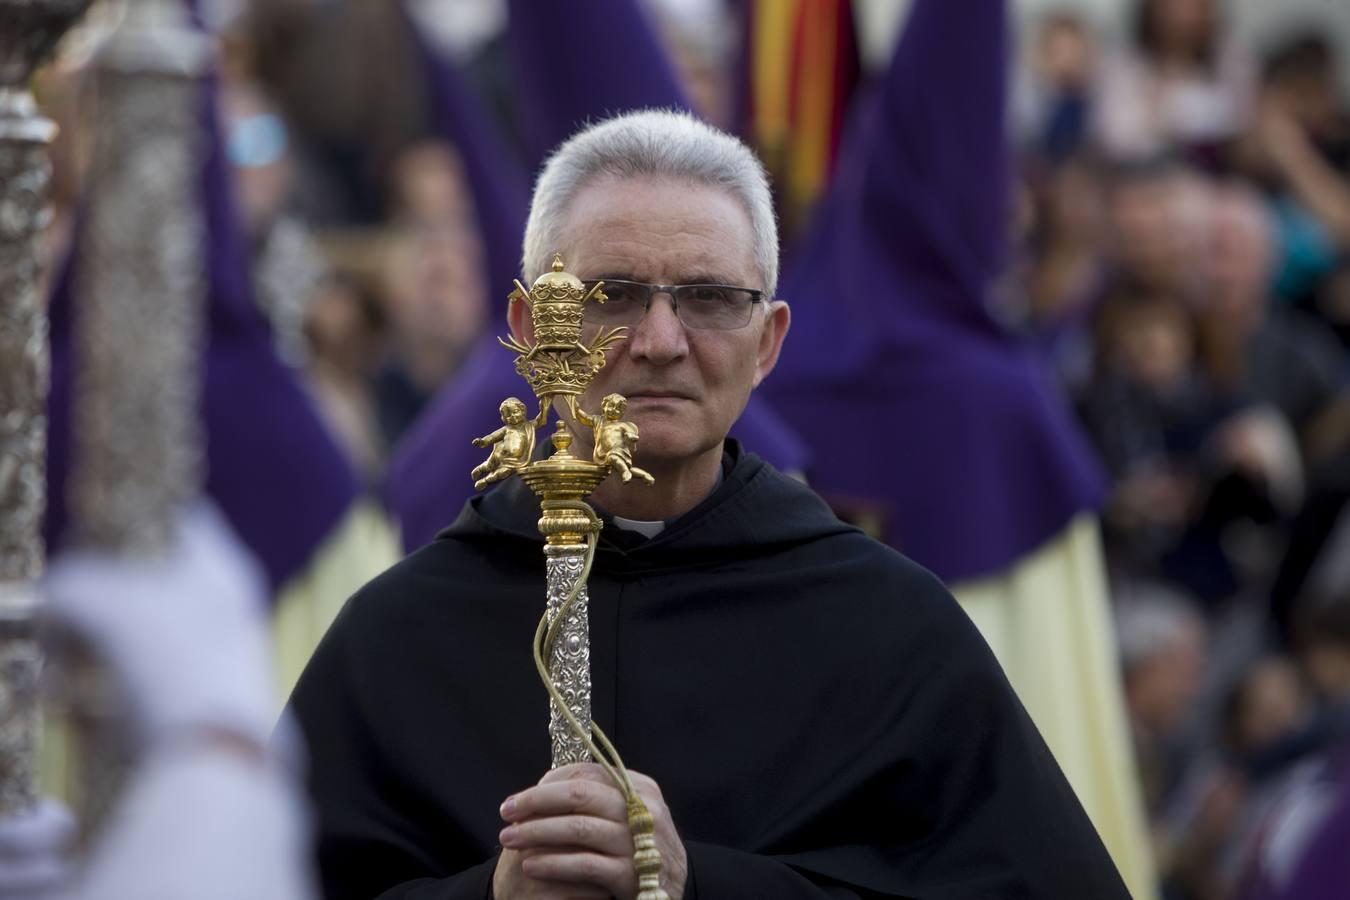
x=813 y=714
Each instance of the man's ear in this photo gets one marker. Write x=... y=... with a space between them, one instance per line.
x=519 y=320
x=776 y=324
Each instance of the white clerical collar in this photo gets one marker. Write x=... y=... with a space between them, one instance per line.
x=650 y=529
x=644 y=528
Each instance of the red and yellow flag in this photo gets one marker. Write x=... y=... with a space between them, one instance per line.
x=801 y=68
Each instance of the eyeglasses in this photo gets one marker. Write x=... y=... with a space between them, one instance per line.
x=702 y=307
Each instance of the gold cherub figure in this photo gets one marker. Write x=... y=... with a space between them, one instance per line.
x=512 y=444
x=614 y=438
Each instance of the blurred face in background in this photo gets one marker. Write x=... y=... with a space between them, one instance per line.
x=1065 y=53
x=1155 y=344
x=343 y=327
x=1271 y=705
x=1075 y=203
x=1303 y=84
x=1143 y=226
x=1239 y=261
x=429 y=185
x=1157 y=228
x=1161 y=689
x=437 y=299
x=1328 y=665
x=1181 y=28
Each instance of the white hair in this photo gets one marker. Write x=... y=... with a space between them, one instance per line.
x=650 y=144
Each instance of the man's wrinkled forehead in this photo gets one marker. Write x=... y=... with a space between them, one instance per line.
x=659 y=230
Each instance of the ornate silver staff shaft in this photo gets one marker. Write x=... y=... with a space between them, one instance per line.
x=570 y=659
x=29 y=29
x=140 y=291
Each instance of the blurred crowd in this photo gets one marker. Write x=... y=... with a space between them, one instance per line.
x=1182 y=264
x=1185 y=268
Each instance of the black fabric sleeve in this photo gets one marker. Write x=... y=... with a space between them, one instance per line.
x=471 y=884
x=720 y=873
x=370 y=841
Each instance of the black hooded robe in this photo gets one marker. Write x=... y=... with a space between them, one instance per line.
x=821 y=716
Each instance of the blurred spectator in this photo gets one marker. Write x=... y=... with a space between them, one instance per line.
x=1149 y=415
x=1301 y=76
x=1163 y=654
x=1274 y=357
x=1266 y=711
x=1182 y=85
x=1304 y=842
x=438 y=306
x=1299 y=834
x=344 y=327
x=1195 y=803
x=1066 y=272
x=1324 y=648
x=1054 y=97
x=1187 y=462
x=1157 y=212
x=427 y=186
x=1264 y=729
x=1298 y=148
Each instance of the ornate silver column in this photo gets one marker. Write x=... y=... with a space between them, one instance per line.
x=141 y=285
x=29 y=30
x=139 y=296
x=570 y=661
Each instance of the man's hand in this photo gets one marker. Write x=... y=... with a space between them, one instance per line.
x=568 y=837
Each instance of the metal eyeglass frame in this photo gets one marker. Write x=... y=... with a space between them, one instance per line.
x=756 y=296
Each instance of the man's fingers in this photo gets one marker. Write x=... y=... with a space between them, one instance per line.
x=614 y=874
x=577 y=771
x=646 y=785
x=564 y=798
x=581 y=832
x=574 y=891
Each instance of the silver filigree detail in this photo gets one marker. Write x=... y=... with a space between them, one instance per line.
x=141 y=290
x=24 y=360
x=29 y=30
x=20 y=674
x=570 y=661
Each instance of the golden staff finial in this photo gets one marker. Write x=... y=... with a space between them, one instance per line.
x=559 y=365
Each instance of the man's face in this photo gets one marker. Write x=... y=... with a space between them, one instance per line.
x=1238 y=263
x=1142 y=215
x=685 y=387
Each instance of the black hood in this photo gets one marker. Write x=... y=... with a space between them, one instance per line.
x=755 y=510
